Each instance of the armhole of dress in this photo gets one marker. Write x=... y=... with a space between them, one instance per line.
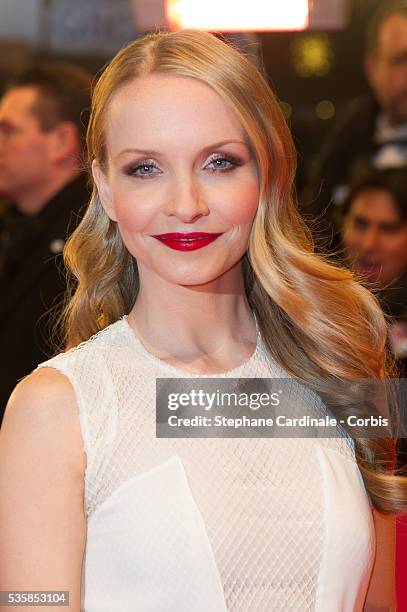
x=83 y=420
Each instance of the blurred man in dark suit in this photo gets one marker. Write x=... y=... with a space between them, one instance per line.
x=373 y=130
x=42 y=130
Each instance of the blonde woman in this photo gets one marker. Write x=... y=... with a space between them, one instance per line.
x=193 y=261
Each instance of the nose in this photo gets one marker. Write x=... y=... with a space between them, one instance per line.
x=186 y=201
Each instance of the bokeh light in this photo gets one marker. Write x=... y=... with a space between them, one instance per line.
x=325 y=109
x=238 y=15
x=312 y=55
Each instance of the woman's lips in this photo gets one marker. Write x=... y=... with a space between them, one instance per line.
x=188 y=241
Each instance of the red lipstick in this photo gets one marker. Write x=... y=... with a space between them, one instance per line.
x=186 y=241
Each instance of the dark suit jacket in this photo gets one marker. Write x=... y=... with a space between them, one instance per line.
x=32 y=281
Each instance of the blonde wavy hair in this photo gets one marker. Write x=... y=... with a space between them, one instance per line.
x=317 y=321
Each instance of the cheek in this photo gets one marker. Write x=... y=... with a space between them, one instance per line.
x=394 y=83
x=134 y=213
x=27 y=154
x=239 y=204
x=396 y=251
x=34 y=152
x=131 y=219
x=23 y=148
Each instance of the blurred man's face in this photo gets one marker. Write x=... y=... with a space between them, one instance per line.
x=387 y=69
x=24 y=147
x=375 y=237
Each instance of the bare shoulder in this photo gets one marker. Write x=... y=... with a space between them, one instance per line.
x=42 y=461
x=41 y=388
x=43 y=409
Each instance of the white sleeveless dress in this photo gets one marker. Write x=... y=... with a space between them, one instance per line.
x=209 y=524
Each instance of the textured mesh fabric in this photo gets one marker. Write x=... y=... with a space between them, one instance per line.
x=215 y=524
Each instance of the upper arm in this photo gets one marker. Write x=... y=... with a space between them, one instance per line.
x=42 y=465
x=381 y=595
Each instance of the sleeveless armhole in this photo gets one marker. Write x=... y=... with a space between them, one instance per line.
x=59 y=364
x=88 y=368
x=83 y=420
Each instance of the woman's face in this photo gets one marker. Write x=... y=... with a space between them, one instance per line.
x=181 y=180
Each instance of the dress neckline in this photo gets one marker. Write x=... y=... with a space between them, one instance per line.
x=178 y=372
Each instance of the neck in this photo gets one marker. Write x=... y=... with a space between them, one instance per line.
x=32 y=201
x=193 y=321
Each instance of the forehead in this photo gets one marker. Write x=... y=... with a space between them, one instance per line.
x=393 y=33
x=169 y=111
x=376 y=205
x=18 y=103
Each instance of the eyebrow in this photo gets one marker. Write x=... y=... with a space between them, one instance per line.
x=150 y=152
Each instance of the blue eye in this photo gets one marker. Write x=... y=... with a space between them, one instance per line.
x=144 y=169
x=223 y=163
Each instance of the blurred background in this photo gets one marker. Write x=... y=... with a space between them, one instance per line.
x=315 y=71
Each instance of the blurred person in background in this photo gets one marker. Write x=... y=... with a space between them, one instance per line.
x=42 y=132
x=373 y=130
x=375 y=244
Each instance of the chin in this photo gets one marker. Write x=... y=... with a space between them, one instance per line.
x=188 y=270
x=193 y=275
x=193 y=279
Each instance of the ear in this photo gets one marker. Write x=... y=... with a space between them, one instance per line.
x=64 y=142
x=104 y=191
